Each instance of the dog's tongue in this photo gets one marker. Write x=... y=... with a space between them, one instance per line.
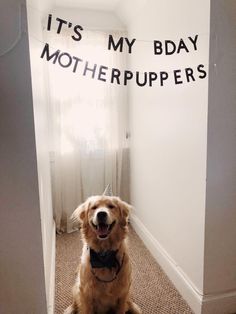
x=102 y=229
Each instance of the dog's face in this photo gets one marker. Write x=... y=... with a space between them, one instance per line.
x=102 y=216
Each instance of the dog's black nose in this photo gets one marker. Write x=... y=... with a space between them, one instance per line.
x=102 y=216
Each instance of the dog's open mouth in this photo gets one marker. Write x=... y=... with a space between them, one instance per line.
x=103 y=229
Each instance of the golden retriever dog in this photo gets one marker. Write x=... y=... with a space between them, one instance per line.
x=104 y=275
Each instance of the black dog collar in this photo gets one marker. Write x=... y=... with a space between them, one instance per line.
x=104 y=259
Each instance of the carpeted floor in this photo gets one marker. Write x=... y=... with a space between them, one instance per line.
x=151 y=289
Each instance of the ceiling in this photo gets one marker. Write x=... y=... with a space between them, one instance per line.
x=103 y=5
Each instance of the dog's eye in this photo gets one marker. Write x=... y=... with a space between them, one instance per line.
x=111 y=206
x=94 y=207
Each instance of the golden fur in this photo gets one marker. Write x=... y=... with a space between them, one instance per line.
x=90 y=295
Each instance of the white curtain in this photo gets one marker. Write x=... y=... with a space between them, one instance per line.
x=89 y=127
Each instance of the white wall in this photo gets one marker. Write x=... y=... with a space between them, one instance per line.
x=168 y=141
x=21 y=258
x=37 y=12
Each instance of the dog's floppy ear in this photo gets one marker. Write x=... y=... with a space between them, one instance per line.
x=79 y=214
x=125 y=210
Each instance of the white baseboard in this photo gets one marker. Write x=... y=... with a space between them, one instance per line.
x=224 y=303
x=51 y=301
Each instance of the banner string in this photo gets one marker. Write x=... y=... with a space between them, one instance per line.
x=19 y=35
x=128 y=69
x=20 y=32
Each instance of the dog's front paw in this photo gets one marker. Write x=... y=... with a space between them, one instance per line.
x=71 y=310
x=134 y=308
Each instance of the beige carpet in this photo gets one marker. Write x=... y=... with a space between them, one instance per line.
x=151 y=290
